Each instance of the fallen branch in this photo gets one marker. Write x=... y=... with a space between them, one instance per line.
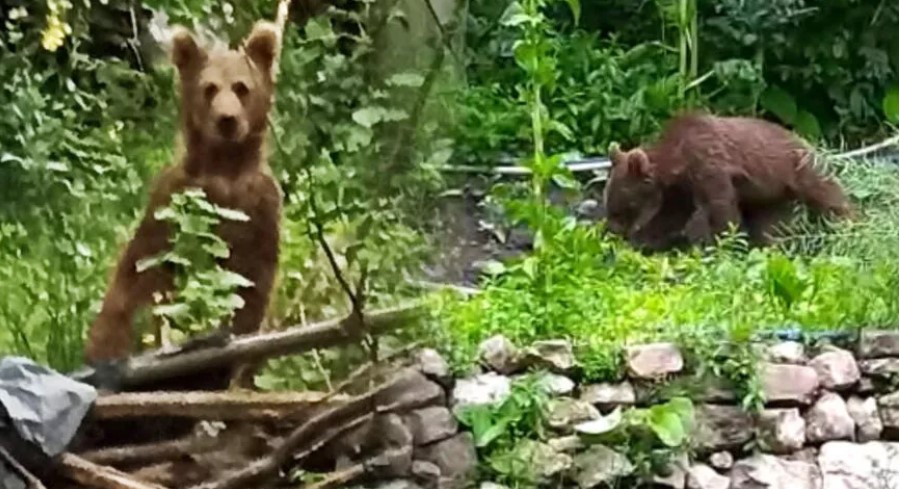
x=155 y=366
x=205 y=405
x=315 y=433
x=98 y=476
x=340 y=478
x=151 y=452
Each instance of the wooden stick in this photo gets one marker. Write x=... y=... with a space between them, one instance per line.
x=205 y=405
x=154 y=367
x=151 y=452
x=98 y=476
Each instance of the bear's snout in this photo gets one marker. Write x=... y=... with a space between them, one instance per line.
x=227 y=126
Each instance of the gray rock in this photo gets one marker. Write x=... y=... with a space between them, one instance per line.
x=426 y=474
x=481 y=389
x=565 y=412
x=608 y=395
x=391 y=463
x=455 y=457
x=888 y=412
x=885 y=369
x=431 y=424
x=545 y=462
x=770 y=472
x=874 y=344
x=721 y=460
x=500 y=355
x=836 y=368
x=789 y=384
x=701 y=476
x=566 y=444
x=866 y=386
x=414 y=389
x=791 y=352
x=653 y=361
x=871 y=465
x=717 y=391
x=865 y=416
x=557 y=385
x=781 y=430
x=722 y=427
x=808 y=454
x=398 y=484
x=828 y=420
x=554 y=355
x=431 y=364
x=600 y=465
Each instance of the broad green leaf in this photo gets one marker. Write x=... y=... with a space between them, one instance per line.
x=889 y=105
x=667 y=425
x=368 y=116
x=217 y=249
x=780 y=103
x=232 y=279
x=807 y=125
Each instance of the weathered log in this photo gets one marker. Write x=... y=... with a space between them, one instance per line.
x=98 y=476
x=207 y=405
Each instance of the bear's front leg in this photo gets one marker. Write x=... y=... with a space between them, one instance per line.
x=717 y=203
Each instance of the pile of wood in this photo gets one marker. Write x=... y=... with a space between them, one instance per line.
x=231 y=439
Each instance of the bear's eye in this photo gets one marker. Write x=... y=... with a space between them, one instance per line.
x=240 y=89
x=209 y=91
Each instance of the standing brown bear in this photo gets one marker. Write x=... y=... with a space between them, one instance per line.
x=225 y=99
x=731 y=170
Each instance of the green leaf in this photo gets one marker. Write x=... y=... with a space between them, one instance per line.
x=228 y=278
x=149 y=262
x=414 y=80
x=171 y=310
x=529 y=266
x=575 y=7
x=667 y=426
x=780 y=103
x=368 y=116
x=231 y=214
x=601 y=425
x=889 y=105
x=218 y=249
x=807 y=125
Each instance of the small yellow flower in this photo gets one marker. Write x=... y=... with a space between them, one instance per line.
x=56 y=31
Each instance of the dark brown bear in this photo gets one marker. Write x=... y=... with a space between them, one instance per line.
x=734 y=170
x=225 y=99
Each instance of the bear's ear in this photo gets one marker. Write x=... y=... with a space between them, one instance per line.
x=186 y=54
x=261 y=46
x=639 y=164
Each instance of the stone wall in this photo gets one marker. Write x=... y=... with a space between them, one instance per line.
x=830 y=420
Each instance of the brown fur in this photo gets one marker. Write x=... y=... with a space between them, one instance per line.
x=736 y=171
x=225 y=98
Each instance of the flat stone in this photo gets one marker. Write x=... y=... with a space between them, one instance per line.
x=600 y=465
x=654 y=360
x=722 y=427
x=836 y=368
x=701 y=476
x=809 y=455
x=888 y=412
x=608 y=395
x=433 y=366
x=391 y=463
x=874 y=344
x=871 y=465
x=764 y=471
x=398 y=484
x=789 y=384
x=426 y=474
x=865 y=416
x=791 y=352
x=721 y=460
x=885 y=369
x=566 y=444
x=564 y=413
x=481 y=389
x=554 y=355
x=557 y=385
x=781 y=430
x=414 y=389
x=546 y=463
x=431 y=424
x=500 y=355
x=828 y=419
x=455 y=457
